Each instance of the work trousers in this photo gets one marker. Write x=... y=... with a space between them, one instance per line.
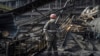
x=52 y=45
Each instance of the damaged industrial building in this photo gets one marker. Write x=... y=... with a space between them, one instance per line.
x=49 y=28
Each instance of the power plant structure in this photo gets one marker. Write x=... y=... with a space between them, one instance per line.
x=22 y=25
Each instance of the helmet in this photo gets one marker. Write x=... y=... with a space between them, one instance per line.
x=53 y=16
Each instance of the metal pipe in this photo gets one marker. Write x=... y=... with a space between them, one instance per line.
x=40 y=12
x=62 y=10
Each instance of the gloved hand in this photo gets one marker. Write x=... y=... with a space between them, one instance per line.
x=44 y=31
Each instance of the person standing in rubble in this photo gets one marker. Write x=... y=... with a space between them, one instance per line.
x=50 y=30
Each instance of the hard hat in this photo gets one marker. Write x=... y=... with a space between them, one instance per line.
x=53 y=16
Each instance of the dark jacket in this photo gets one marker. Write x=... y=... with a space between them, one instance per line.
x=50 y=29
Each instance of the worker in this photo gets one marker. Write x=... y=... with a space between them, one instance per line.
x=50 y=30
